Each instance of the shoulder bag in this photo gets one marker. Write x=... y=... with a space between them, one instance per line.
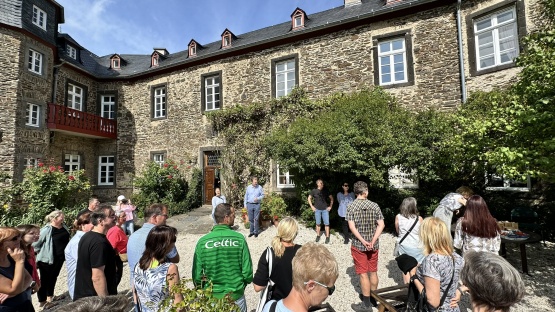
x=397 y=244
x=419 y=303
x=266 y=294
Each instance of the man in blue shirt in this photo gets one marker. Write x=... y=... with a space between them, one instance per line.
x=156 y=214
x=253 y=198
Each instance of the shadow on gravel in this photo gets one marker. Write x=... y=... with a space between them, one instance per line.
x=394 y=272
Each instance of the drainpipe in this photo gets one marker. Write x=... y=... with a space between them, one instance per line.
x=461 y=52
x=55 y=82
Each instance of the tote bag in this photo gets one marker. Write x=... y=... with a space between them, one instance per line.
x=266 y=294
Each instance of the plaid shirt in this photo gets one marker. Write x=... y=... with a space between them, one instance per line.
x=365 y=214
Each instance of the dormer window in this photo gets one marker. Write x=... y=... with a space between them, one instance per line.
x=115 y=62
x=298 y=19
x=192 y=48
x=227 y=37
x=155 y=60
x=72 y=52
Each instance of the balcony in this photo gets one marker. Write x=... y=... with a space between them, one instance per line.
x=75 y=122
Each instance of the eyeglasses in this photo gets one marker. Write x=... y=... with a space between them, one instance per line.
x=330 y=289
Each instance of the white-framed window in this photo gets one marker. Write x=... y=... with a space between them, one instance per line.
x=115 y=63
x=159 y=109
x=193 y=49
x=32 y=115
x=39 y=17
x=392 y=61
x=284 y=179
x=496 y=38
x=212 y=93
x=108 y=106
x=285 y=77
x=106 y=170
x=31 y=162
x=496 y=182
x=226 y=40
x=159 y=158
x=155 y=61
x=298 y=21
x=72 y=52
x=74 y=97
x=400 y=179
x=72 y=162
x=34 y=63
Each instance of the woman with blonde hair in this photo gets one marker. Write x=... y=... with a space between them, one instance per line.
x=15 y=280
x=54 y=237
x=437 y=277
x=282 y=252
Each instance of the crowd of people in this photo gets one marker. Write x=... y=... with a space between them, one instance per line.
x=293 y=277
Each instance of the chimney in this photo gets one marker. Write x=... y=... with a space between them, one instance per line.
x=349 y=3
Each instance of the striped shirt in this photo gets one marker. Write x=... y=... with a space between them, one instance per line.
x=365 y=214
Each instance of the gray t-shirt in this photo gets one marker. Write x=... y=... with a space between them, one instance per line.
x=440 y=267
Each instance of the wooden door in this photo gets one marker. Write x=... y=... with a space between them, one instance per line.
x=212 y=167
x=209 y=178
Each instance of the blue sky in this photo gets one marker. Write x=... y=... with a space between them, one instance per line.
x=136 y=26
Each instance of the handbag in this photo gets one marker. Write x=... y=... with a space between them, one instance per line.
x=266 y=294
x=397 y=244
x=418 y=302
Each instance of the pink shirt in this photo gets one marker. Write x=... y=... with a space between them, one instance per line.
x=128 y=209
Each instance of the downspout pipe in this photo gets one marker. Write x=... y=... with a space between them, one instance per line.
x=461 y=52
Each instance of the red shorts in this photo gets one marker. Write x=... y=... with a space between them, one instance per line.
x=365 y=261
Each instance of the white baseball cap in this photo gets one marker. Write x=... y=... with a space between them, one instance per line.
x=121 y=197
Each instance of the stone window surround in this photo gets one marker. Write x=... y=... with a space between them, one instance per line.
x=37 y=23
x=72 y=52
x=521 y=30
x=81 y=159
x=273 y=70
x=99 y=102
x=164 y=154
x=106 y=184
x=84 y=97
x=28 y=119
x=152 y=100
x=203 y=90
x=409 y=59
x=44 y=65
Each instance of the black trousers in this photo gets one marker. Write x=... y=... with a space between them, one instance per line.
x=345 y=226
x=48 y=277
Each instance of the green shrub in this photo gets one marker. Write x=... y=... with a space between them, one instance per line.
x=273 y=205
x=196 y=299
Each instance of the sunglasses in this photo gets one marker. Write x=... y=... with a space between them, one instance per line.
x=330 y=289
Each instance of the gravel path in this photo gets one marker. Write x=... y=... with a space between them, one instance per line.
x=540 y=285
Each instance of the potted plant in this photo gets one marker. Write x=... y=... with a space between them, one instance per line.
x=275 y=207
x=244 y=215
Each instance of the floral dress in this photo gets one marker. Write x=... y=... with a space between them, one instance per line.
x=151 y=286
x=466 y=242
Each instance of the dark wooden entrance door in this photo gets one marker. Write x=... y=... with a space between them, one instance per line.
x=211 y=174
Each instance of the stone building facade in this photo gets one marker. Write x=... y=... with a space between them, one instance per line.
x=158 y=102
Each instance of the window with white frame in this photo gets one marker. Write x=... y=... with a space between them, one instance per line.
x=400 y=179
x=392 y=61
x=212 y=93
x=72 y=52
x=496 y=38
x=285 y=77
x=74 y=97
x=155 y=60
x=32 y=115
x=31 y=162
x=298 y=21
x=34 y=63
x=108 y=106
x=39 y=17
x=116 y=63
x=159 y=102
x=106 y=170
x=72 y=162
x=159 y=158
x=284 y=179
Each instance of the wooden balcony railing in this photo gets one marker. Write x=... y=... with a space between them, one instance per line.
x=67 y=119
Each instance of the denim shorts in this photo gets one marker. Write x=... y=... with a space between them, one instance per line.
x=322 y=214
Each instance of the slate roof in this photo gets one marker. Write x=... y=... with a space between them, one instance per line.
x=10 y=12
x=137 y=65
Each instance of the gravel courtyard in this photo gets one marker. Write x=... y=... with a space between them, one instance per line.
x=540 y=284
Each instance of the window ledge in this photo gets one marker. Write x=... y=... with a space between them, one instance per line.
x=397 y=85
x=492 y=69
x=508 y=189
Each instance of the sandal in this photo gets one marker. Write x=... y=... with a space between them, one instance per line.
x=58 y=298
x=49 y=305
